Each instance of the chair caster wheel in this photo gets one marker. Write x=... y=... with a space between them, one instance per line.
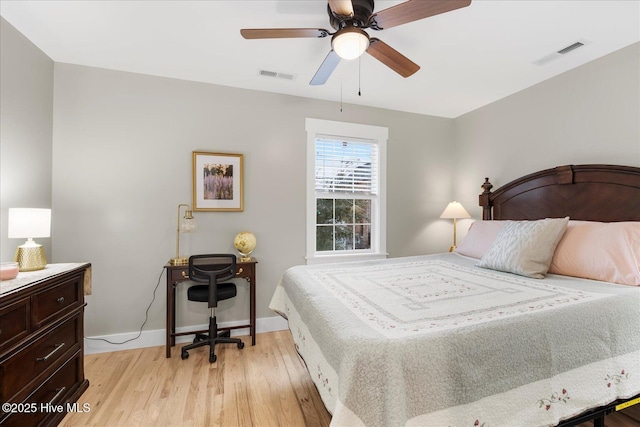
x=240 y=345
x=212 y=359
x=184 y=355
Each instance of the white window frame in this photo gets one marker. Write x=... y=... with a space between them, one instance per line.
x=378 y=135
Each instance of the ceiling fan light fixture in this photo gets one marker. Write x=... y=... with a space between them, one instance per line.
x=350 y=42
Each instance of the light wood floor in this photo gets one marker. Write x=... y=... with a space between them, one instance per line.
x=261 y=385
x=264 y=385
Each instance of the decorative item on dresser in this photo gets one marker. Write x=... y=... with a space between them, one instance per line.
x=29 y=223
x=41 y=344
x=8 y=270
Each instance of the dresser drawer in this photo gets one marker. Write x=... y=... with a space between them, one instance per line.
x=51 y=303
x=178 y=274
x=34 y=359
x=47 y=398
x=246 y=270
x=14 y=322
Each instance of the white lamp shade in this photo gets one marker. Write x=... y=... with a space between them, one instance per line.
x=350 y=43
x=29 y=223
x=455 y=210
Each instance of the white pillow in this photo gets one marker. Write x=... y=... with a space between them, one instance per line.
x=525 y=247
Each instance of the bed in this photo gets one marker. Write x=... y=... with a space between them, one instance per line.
x=437 y=340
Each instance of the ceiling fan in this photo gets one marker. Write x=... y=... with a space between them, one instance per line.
x=350 y=18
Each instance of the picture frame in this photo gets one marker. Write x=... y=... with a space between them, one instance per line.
x=218 y=183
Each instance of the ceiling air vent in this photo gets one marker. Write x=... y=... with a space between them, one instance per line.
x=558 y=54
x=268 y=73
x=569 y=48
x=276 y=75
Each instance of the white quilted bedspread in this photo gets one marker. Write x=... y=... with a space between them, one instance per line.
x=435 y=341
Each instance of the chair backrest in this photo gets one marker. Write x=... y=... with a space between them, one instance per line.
x=212 y=269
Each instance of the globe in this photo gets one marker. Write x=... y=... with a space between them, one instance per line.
x=245 y=243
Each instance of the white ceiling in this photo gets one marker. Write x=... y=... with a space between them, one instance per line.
x=469 y=57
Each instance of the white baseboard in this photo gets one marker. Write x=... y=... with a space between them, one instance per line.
x=156 y=337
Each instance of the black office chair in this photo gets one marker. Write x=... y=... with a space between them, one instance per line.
x=211 y=269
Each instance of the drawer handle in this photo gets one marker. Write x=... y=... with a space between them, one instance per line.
x=184 y=275
x=60 y=300
x=48 y=356
x=59 y=392
x=239 y=272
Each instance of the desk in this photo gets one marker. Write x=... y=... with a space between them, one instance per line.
x=179 y=273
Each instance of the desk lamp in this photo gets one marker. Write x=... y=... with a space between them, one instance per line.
x=29 y=223
x=454 y=210
x=185 y=225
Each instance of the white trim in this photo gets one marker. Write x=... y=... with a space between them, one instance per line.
x=326 y=259
x=379 y=134
x=156 y=337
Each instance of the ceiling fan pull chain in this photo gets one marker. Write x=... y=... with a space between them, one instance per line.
x=359 y=74
x=341 y=95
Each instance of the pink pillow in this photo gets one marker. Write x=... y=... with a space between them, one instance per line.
x=606 y=251
x=479 y=238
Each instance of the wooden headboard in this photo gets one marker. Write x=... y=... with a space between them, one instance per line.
x=604 y=193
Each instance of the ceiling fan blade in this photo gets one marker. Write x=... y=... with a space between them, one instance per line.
x=392 y=58
x=342 y=8
x=413 y=10
x=324 y=72
x=283 y=33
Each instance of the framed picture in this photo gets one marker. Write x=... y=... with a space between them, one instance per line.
x=217 y=182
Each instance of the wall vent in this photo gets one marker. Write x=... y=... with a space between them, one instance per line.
x=276 y=75
x=569 y=48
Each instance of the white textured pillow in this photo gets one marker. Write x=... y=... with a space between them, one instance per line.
x=525 y=247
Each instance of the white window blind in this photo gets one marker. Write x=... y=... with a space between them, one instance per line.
x=346 y=191
x=345 y=166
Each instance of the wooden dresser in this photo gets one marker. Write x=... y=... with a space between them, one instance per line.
x=42 y=345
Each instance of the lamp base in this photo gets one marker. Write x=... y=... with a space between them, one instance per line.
x=179 y=261
x=452 y=248
x=30 y=258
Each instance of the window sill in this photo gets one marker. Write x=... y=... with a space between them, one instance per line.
x=326 y=259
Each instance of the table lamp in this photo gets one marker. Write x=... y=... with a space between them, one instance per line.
x=29 y=223
x=454 y=210
x=186 y=224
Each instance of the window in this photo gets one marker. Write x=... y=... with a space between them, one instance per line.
x=346 y=202
x=345 y=190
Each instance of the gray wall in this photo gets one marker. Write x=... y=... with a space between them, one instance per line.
x=590 y=114
x=122 y=164
x=26 y=125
